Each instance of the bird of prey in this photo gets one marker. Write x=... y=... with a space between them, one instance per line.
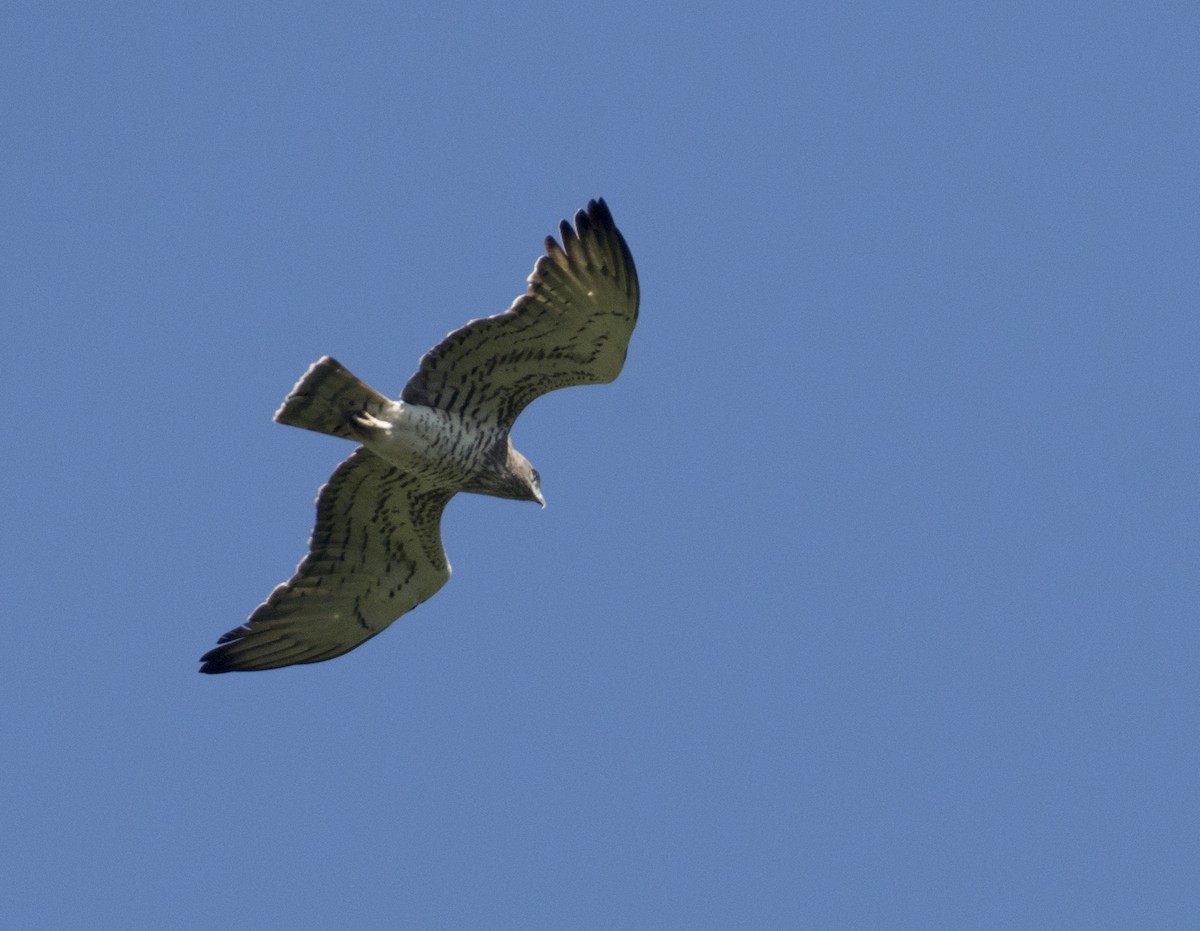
x=376 y=551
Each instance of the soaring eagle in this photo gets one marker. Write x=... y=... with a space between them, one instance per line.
x=376 y=551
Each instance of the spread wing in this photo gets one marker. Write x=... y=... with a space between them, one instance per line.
x=571 y=327
x=376 y=552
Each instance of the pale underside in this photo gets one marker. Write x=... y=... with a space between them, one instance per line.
x=376 y=551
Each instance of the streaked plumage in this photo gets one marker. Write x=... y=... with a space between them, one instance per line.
x=376 y=551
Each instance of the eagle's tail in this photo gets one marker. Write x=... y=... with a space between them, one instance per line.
x=326 y=398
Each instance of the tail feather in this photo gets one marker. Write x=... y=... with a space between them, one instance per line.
x=325 y=399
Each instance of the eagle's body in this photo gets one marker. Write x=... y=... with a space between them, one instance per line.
x=437 y=446
x=376 y=550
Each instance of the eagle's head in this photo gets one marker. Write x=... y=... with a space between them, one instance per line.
x=525 y=484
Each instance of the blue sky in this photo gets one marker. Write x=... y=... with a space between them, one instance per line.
x=866 y=597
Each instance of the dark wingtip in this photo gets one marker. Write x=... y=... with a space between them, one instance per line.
x=216 y=661
x=596 y=222
x=595 y=216
x=592 y=219
x=598 y=212
x=218 y=658
x=566 y=233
